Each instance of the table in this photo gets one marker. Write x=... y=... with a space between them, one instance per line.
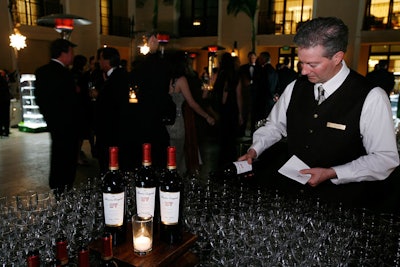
x=162 y=255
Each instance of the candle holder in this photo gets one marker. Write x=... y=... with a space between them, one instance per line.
x=142 y=232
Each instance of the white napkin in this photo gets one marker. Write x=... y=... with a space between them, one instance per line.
x=292 y=167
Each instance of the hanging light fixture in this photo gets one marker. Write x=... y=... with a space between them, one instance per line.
x=17 y=40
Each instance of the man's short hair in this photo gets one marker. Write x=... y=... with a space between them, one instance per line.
x=251 y=53
x=59 y=46
x=111 y=54
x=328 y=32
x=266 y=56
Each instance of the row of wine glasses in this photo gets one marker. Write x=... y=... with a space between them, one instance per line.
x=243 y=225
x=236 y=224
x=33 y=221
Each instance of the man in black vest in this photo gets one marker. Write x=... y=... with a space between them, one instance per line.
x=336 y=122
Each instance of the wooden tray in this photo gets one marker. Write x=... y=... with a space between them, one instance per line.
x=162 y=254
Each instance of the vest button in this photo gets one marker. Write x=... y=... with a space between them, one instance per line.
x=315 y=115
x=310 y=131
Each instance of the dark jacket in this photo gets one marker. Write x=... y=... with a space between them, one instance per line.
x=57 y=97
x=111 y=103
x=151 y=80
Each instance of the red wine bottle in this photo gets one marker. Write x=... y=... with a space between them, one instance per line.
x=33 y=258
x=146 y=186
x=234 y=172
x=62 y=251
x=83 y=257
x=114 y=200
x=107 y=256
x=238 y=168
x=171 y=202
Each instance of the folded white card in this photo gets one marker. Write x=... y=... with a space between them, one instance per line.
x=292 y=167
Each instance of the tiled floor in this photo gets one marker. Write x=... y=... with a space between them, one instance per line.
x=24 y=163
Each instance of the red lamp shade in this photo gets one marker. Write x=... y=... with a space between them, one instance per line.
x=213 y=49
x=192 y=55
x=162 y=38
x=64 y=24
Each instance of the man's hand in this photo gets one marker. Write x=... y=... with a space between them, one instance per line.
x=249 y=156
x=319 y=175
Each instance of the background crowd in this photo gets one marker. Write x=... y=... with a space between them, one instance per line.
x=98 y=91
x=220 y=107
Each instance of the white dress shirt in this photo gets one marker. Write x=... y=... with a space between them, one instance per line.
x=376 y=127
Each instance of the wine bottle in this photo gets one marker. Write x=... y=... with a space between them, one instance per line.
x=107 y=251
x=146 y=183
x=33 y=258
x=238 y=168
x=114 y=200
x=83 y=257
x=232 y=170
x=62 y=257
x=171 y=203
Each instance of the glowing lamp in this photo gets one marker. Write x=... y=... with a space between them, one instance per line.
x=17 y=40
x=212 y=49
x=192 y=55
x=145 y=49
x=64 y=24
x=162 y=38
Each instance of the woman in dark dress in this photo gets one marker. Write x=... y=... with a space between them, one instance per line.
x=227 y=102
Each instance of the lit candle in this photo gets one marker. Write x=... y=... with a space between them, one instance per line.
x=142 y=243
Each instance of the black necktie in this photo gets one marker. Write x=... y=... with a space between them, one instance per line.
x=321 y=94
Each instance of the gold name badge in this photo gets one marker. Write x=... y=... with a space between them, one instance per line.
x=336 y=126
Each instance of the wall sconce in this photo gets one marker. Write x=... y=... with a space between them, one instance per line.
x=144 y=48
x=234 y=52
x=17 y=40
x=197 y=22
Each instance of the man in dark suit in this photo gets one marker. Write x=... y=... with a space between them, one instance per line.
x=382 y=77
x=267 y=82
x=112 y=101
x=58 y=102
x=152 y=80
x=247 y=78
x=286 y=75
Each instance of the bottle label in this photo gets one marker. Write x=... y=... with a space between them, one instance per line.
x=169 y=207
x=145 y=200
x=114 y=209
x=242 y=166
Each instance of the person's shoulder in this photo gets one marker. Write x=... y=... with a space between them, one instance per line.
x=377 y=94
x=44 y=68
x=244 y=66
